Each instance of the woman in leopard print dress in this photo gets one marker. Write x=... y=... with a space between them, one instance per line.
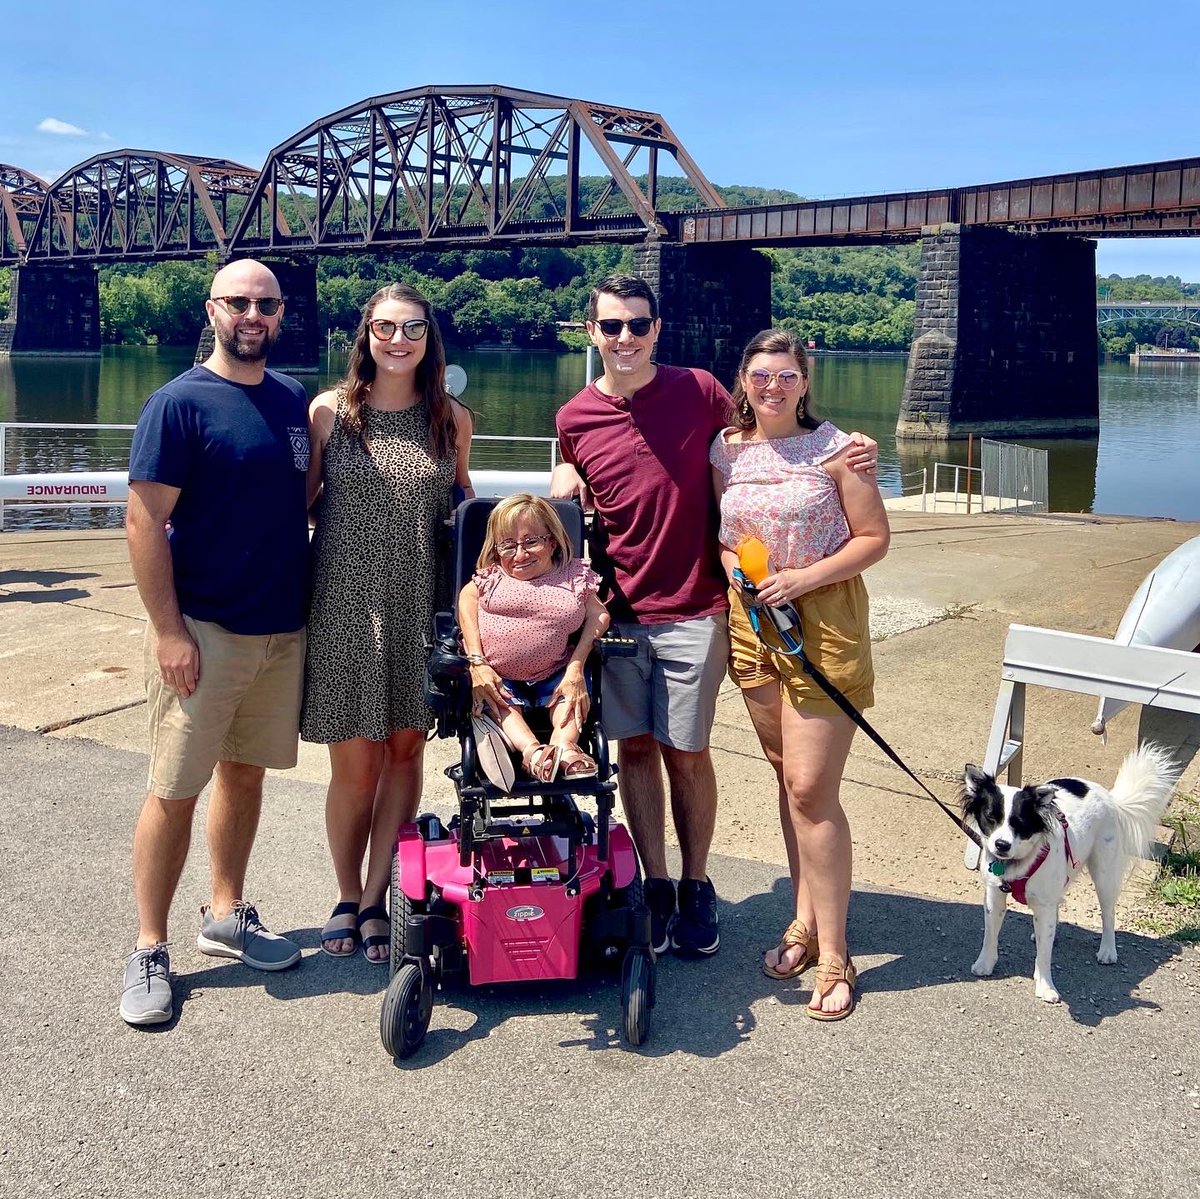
x=388 y=444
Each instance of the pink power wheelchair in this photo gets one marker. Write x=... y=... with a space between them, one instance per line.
x=519 y=887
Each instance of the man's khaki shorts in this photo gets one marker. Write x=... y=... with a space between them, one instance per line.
x=835 y=622
x=245 y=709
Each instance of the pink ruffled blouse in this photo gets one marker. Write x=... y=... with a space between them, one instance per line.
x=778 y=491
x=525 y=624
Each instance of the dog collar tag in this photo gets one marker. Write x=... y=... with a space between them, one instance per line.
x=996 y=867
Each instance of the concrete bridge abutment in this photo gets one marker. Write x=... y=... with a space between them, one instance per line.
x=298 y=350
x=53 y=309
x=1004 y=339
x=712 y=299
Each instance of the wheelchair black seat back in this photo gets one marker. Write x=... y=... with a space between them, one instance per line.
x=448 y=681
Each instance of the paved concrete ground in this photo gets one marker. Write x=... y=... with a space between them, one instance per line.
x=277 y=1084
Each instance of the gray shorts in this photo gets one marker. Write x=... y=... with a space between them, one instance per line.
x=669 y=687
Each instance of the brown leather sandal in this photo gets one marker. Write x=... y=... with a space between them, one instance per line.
x=576 y=764
x=541 y=761
x=796 y=933
x=831 y=970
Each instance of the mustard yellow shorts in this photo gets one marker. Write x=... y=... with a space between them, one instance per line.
x=835 y=621
x=246 y=708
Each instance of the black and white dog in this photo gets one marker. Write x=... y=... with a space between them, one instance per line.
x=1037 y=839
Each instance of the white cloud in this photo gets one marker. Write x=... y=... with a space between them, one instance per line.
x=54 y=125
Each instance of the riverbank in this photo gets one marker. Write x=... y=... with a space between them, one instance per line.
x=941 y=604
x=277 y=1085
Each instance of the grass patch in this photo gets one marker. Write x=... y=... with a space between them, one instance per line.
x=957 y=612
x=1176 y=892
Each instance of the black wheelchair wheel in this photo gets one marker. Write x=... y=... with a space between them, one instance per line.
x=637 y=994
x=401 y=908
x=407 y=1006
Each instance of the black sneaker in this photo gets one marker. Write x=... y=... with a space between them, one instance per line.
x=660 y=899
x=696 y=929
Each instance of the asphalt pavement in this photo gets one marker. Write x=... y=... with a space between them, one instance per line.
x=940 y=1084
x=277 y=1084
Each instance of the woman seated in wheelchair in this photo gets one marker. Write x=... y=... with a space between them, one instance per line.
x=518 y=615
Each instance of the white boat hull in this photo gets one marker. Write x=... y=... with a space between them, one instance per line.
x=1164 y=611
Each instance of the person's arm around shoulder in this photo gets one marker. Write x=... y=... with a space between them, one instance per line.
x=863 y=454
x=464 y=427
x=150 y=507
x=869 y=538
x=322 y=412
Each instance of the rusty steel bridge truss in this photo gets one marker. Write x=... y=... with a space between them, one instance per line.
x=465 y=165
x=1160 y=199
x=22 y=197
x=138 y=204
x=493 y=166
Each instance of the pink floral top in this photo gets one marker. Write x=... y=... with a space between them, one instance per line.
x=525 y=624
x=778 y=491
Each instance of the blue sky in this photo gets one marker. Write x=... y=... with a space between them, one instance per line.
x=822 y=99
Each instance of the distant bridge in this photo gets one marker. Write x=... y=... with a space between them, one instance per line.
x=490 y=166
x=1004 y=339
x=1182 y=312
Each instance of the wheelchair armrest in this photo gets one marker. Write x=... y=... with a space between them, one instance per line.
x=611 y=646
x=444 y=657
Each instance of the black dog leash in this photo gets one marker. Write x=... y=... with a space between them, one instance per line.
x=785 y=620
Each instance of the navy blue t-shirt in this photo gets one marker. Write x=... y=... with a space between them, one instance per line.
x=239 y=531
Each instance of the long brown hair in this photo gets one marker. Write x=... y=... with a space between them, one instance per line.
x=431 y=372
x=772 y=341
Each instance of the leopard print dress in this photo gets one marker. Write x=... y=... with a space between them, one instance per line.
x=376 y=577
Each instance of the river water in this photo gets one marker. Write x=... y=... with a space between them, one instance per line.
x=1144 y=462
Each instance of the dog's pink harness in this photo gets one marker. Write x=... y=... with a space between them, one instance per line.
x=1016 y=886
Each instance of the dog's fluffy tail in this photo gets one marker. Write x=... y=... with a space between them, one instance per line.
x=1141 y=793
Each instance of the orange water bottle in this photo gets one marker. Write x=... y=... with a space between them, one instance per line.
x=754 y=560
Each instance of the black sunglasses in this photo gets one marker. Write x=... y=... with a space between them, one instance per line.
x=414 y=330
x=639 y=326
x=240 y=305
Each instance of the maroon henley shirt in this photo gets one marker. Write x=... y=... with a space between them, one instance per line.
x=645 y=461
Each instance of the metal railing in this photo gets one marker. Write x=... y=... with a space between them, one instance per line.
x=960 y=498
x=86 y=463
x=1015 y=477
x=921 y=488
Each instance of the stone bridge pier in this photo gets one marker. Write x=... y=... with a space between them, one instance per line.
x=712 y=299
x=298 y=350
x=1004 y=342
x=54 y=309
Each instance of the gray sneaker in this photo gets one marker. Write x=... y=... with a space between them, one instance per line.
x=146 y=990
x=241 y=935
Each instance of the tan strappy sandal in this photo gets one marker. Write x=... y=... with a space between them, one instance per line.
x=796 y=933
x=541 y=761
x=831 y=970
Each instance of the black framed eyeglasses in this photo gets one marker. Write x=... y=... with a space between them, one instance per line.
x=531 y=545
x=240 y=305
x=639 y=326
x=413 y=330
x=787 y=380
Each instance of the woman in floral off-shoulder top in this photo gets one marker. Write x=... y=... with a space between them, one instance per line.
x=781 y=476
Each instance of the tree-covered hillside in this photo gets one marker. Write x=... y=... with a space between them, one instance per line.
x=841 y=298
